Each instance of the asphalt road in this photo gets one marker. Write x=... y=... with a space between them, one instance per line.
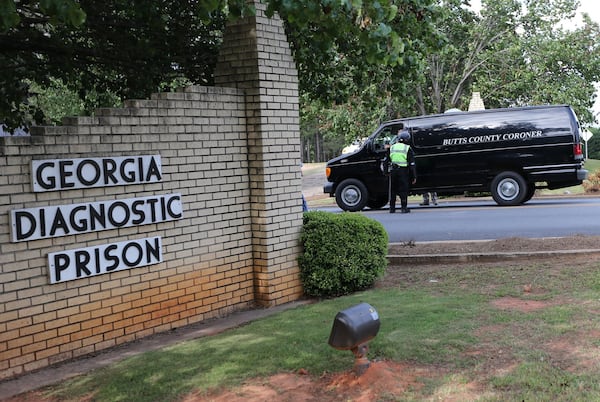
x=482 y=219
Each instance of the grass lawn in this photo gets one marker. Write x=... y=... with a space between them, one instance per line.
x=592 y=165
x=493 y=332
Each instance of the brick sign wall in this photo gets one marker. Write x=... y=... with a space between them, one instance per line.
x=162 y=213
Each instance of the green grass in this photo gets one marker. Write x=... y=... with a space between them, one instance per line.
x=437 y=317
x=592 y=164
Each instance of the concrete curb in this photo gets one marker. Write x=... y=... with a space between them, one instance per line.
x=484 y=257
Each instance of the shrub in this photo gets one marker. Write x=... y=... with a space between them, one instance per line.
x=592 y=183
x=343 y=253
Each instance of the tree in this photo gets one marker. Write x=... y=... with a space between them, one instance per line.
x=593 y=144
x=132 y=48
x=447 y=73
x=555 y=65
x=514 y=53
x=347 y=91
x=125 y=48
x=57 y=11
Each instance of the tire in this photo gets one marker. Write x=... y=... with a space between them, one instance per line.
x=530 y=192
x=351 y=195
x=377 y=203
x=509 y=188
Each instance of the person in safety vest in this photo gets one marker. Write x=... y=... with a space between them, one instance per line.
x=403 y=171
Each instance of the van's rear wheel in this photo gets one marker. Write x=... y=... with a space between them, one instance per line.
x=351 y=195
x=509 y=188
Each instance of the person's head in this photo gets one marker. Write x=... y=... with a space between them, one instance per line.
x=403 y=136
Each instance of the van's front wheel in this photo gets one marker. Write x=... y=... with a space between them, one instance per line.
x=530 y=192
x=351 y=195
x=509 y=188
x=377 y=203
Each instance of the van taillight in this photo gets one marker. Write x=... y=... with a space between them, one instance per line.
x=327 y=171
x=577 y=150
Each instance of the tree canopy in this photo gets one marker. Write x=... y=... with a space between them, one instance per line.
x=515 y=52
x=131 y=48
x=359 y=62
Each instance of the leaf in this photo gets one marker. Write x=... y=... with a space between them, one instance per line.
x=8 y=15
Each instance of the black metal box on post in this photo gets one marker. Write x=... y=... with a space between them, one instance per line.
x=352 y=329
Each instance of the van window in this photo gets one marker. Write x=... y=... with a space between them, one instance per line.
x=385 y=137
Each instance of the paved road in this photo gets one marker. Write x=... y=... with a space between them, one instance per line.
x=483 y=219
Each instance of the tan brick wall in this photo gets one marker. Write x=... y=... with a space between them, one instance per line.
x=233 y=154
x=261 y=63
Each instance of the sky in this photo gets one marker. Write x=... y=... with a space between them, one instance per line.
x=592 y=7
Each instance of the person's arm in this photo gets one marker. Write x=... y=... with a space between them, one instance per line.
x=387 y=159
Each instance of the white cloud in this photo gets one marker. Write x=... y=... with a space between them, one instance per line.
x=592 y=7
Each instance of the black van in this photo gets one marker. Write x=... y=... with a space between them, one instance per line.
x=506 y=152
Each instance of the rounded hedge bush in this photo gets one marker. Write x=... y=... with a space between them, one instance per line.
x=342 y=253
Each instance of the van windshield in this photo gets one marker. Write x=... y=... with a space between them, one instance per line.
x=384 y=137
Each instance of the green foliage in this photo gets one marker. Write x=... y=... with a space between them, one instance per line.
x=358 y=60
x=124 y=48
x=367 y=27
x=593 y=144
x=132 y=49
x=446 y=72
x=514 y=53
x=56 y=101
x=339 y=125
x=343 y=253
x=535 y=60
x=54 y=11
x=8 y=14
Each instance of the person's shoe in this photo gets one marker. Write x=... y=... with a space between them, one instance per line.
x=435 y=203
x=425 y=203
x=405 y=210
x=392 y=211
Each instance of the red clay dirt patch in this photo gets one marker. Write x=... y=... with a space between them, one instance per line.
x=523 y=305
x=576 y=352
x=382 y=380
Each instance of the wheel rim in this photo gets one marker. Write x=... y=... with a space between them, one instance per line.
x=351 y=196
x=508 y=189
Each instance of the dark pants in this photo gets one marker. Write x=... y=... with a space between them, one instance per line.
x=400 y=185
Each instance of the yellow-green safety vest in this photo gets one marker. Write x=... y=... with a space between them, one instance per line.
x=399 y=154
